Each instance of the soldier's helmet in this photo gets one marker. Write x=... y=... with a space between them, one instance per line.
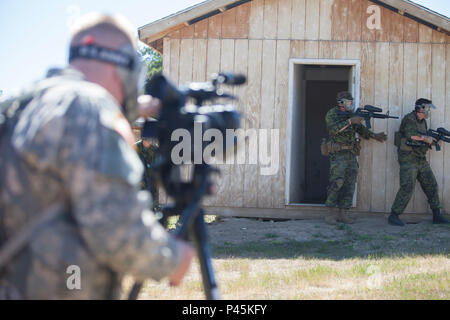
x=424 y=105
x=343 y=95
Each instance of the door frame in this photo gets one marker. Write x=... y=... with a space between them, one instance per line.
x=354 y=85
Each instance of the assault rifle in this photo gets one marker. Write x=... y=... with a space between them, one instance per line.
x=368 y=112
x=438 y=135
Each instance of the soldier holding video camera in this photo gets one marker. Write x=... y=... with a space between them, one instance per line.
x=67 y=156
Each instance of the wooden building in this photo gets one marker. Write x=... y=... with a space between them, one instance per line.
x=297 y=54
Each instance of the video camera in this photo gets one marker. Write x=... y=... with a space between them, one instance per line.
x=183 y=109
x=178 y=113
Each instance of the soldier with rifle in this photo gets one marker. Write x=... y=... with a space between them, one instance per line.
x=343 y=148
x=412 y=143
x=147 y=151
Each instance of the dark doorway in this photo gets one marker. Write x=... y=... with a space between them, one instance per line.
x=320 y=97
x=315 y=89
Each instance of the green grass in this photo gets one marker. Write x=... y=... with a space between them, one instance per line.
x=358 y=265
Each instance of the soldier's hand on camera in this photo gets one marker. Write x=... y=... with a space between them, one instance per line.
x=187 y=253
x=148 y=106
x=380 y=136
x=355 y=120
x=428 y=139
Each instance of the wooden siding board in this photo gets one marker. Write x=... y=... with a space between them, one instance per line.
x=325 y=19
x=311 y=49
x=201 y=29
x=395 y=102
x=166 y=70
x=270 y=19
x=284 y=19
x=446 y=146
x=354 y=50
x=312 y=20
x=380 y=149
x=174 y=59
x=397 y=27
x=213 y=66
x=185 y=76
x=252 y=117
x=238 y=170
x=339 y=20
x=339 y=49
x=186 y=61
x=354 y=20
x=437 y=118
x=229 y=27
x=267 y=115
x=199 y=69
x=256 y=20
x=215 y=27
x=242 y=20
x=297 y=49
x=411 y=30
x=226 y=65
x=423 y=91
x=425 y=33
x=298 y=19
x=409 y=91
x=366 y=33
x=438 y=37
x=166 y=56
x=382 y=34
x=365 y=176
x=187 y=32
x=280 y=120
x=325 y=51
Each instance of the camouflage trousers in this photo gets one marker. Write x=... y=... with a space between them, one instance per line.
x=343 y=174
x=412 y=169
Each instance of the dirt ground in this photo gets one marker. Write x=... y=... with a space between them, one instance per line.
x=366 y=235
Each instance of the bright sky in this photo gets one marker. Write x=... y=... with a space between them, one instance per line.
x=35 y=34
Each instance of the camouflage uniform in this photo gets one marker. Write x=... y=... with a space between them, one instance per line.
x=148 y=182
x=343 y=163
x=68 y=152
x=414 y=165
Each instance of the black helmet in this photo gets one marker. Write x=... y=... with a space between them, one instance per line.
x=344 y=95
x=424 y=105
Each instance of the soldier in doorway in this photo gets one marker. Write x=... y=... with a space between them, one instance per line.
x=343 y=148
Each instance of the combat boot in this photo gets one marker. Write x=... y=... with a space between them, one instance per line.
x=394 y=220
x=331 y=218
x=344 y=218
x=438 y=218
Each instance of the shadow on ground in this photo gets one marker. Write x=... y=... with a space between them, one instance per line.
x=313 y=239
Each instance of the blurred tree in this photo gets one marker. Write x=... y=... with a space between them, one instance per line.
x=152 y=60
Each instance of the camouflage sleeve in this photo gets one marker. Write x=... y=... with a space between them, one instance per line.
x=410 y=129
x=102 y=172
x=363 y=131
x=335 y=123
